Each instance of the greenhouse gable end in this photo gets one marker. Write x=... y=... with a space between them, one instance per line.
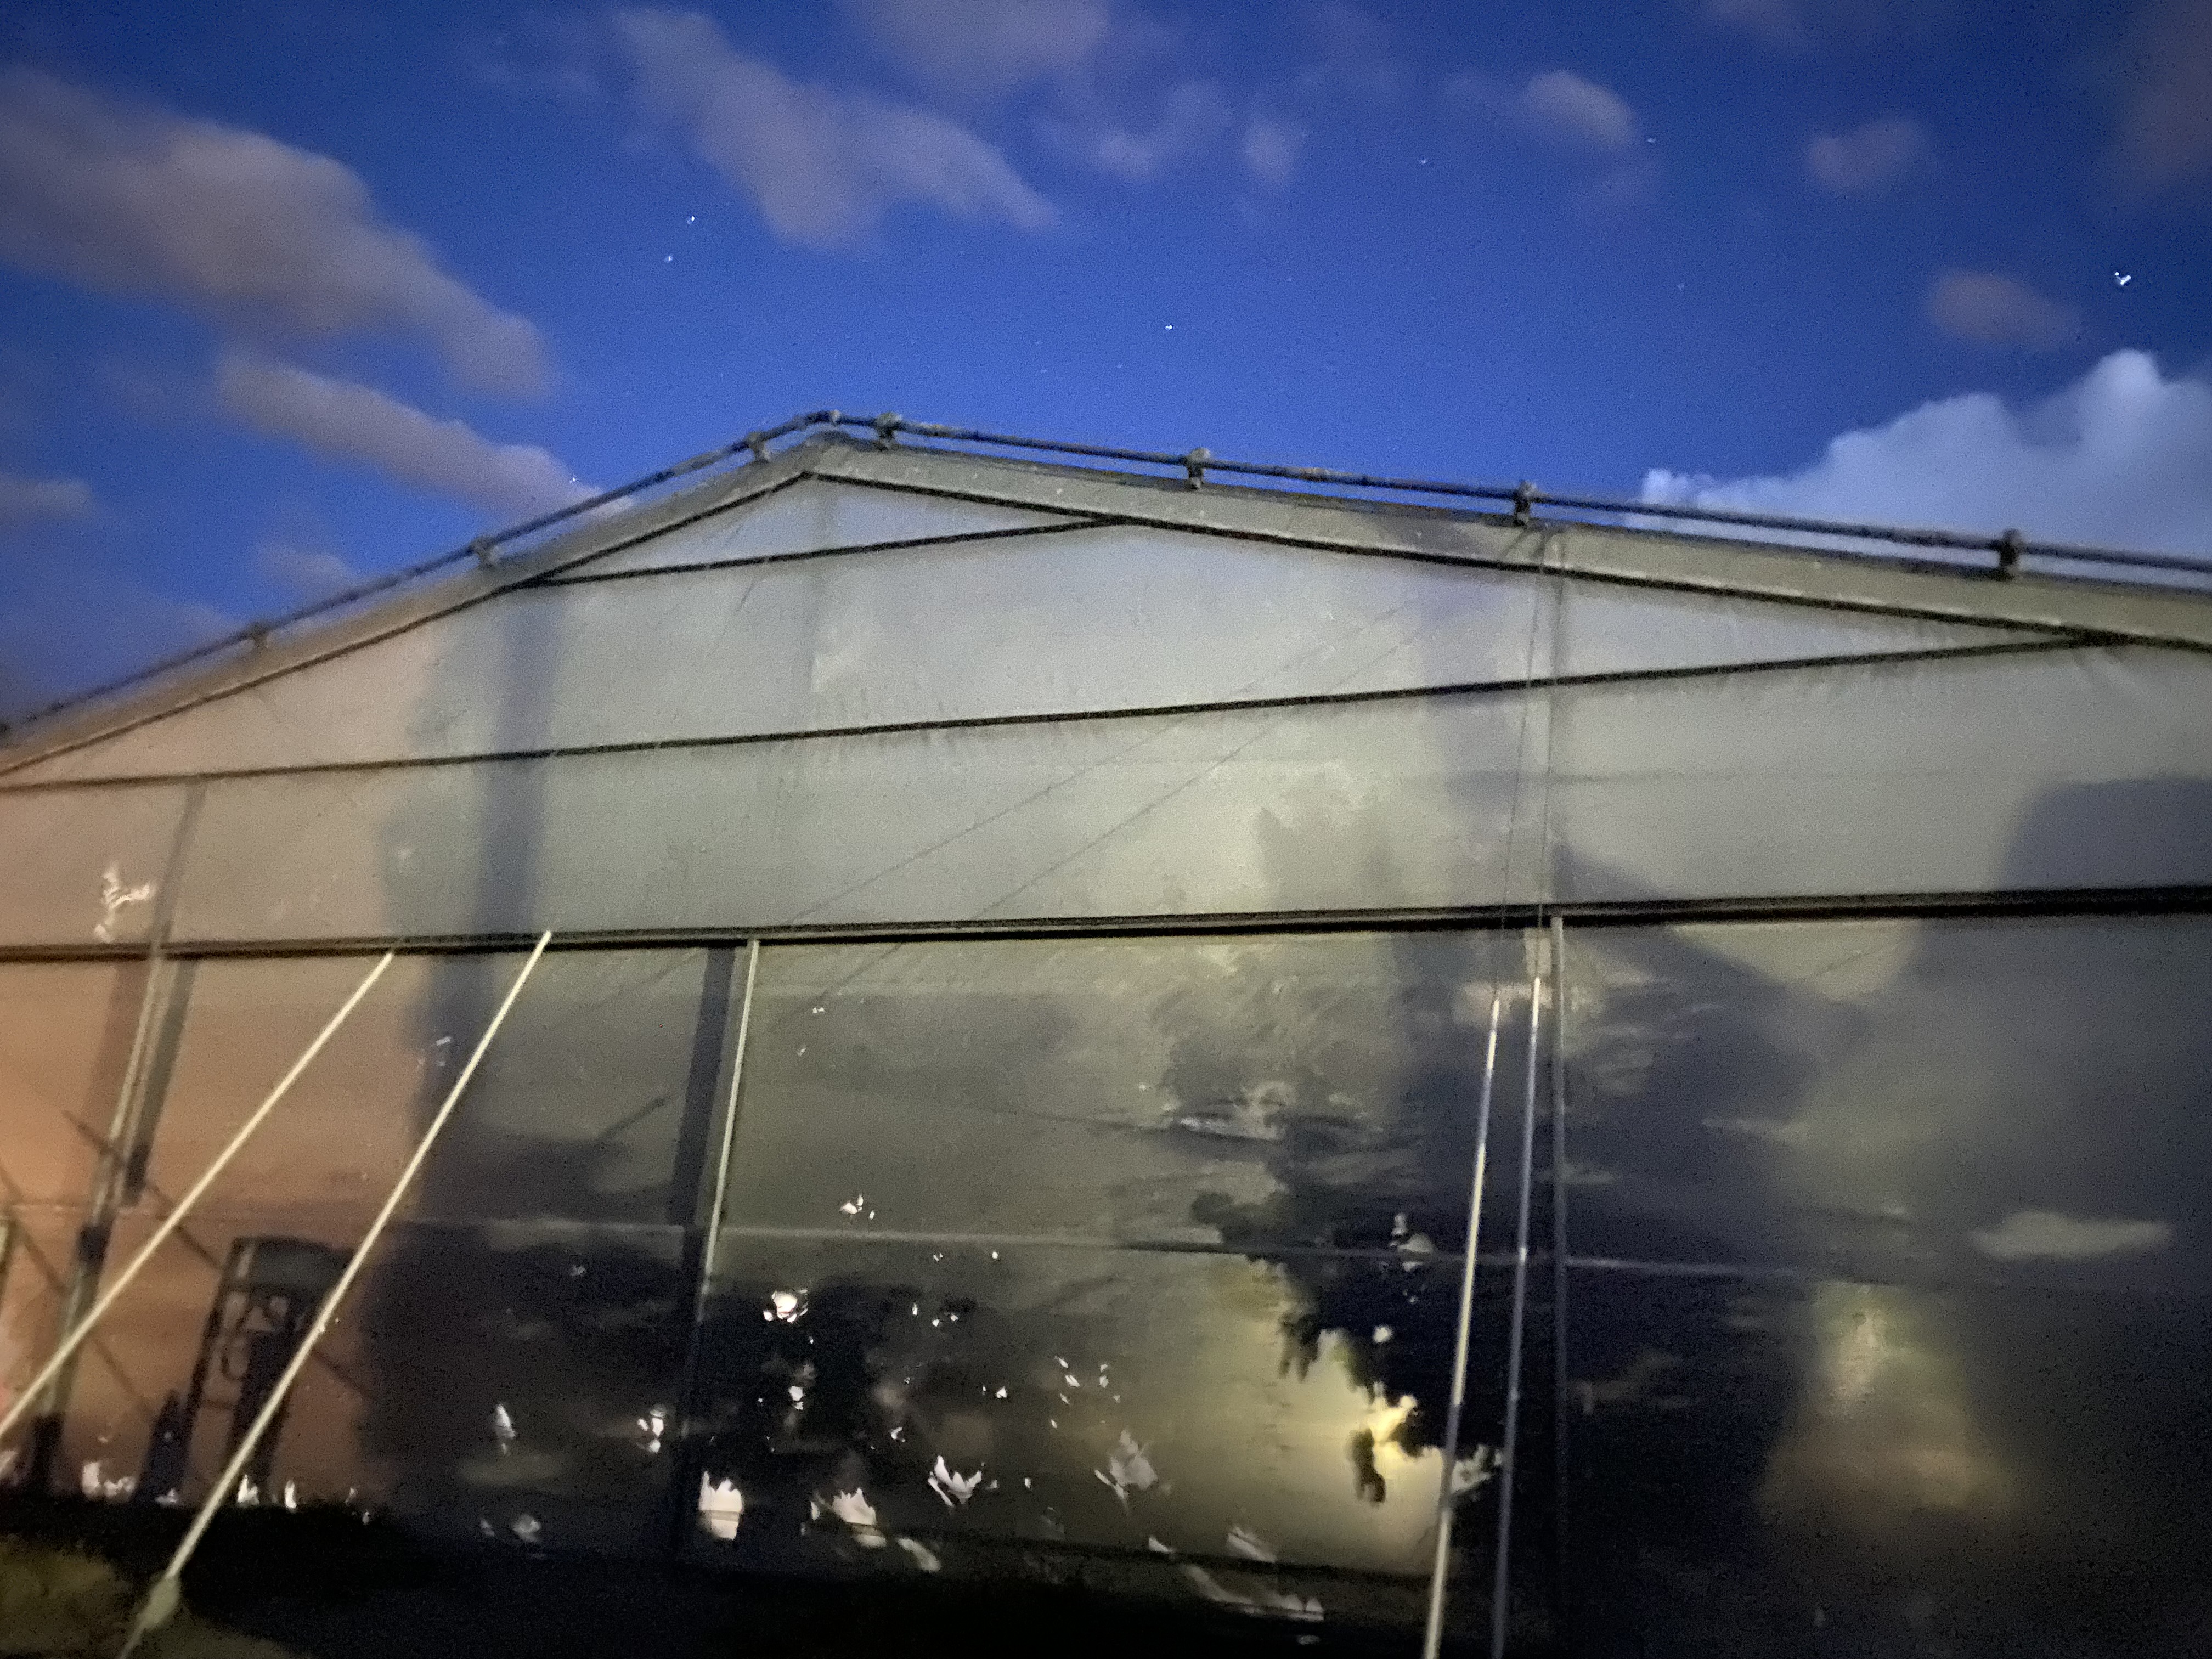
x=1371 y=1066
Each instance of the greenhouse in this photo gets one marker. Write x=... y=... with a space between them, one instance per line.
x=1474 y=1072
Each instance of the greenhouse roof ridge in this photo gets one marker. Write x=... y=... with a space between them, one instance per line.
x=1526 y=504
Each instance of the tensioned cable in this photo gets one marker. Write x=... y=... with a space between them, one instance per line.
x=164 y=1594
x=1448 y=1498
x=1448 y=1488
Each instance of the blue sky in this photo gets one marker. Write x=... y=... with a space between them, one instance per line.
x=293 y=291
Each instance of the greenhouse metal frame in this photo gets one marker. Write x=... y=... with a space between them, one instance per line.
x=1559 y=1079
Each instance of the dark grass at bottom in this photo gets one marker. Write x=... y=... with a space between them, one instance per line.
x=324 y=1583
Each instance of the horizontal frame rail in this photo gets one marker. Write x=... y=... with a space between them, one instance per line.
x=1490 y=917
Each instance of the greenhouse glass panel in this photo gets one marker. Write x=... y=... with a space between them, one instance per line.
x=1258 y=1092
x=592 y=1105
x=968 y=1395
x=85 y=867
x=2002 y=1471
x=506 y=1381
x=65 y=1036
x=2084 y=768
x=1616 y=628
x=37 y=1257
x=1891 y=1250
x=2004 y=1100
x=1407 y=802
x=813 y=515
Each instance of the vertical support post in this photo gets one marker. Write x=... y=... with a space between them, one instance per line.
x=1508 y=1464
x=688 y=1392
x=164 y=1594
x=1447 y=1496
x=1560 y=1259
x=107 y=1196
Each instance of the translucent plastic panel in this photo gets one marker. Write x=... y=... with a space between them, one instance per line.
x=1611 y=627
x=2017 y=1101
x=2074 y=768
x=84 y=866
x=1091 y=619
x=1368 y=805
x=1842 y=1466
x=498 y=1380
x=591 y=1104
x=38 y=1255
x=813 y=515
x=65 y=1034
x=1224 y=1413
x=1258 y=1092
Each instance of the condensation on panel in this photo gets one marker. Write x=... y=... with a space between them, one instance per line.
x=84 y=867
x=1381 y=804
x=65 y=1036
x=1092 y=619
x=816 y=515
x=2017 y=1101
x=1223 y=1412
x=1763 y=1467
x=1251 y=1093
x=590 y=1106
x=2048 y=769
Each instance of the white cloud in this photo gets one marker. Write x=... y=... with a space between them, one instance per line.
x=358 y=423
x=823 y=165
x=232 y=223
x=1994 y=310
x=2165 y=130
x=303 y=569
x=32 y=501
x=2121 y=458
x=2048 y=1235
x=985 y=46
x=1799 y=25
x=1271 y=149
x=1564 y=107
x=1868 y=159
x=1195 y=114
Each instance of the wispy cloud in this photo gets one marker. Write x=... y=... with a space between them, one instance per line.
x=1193 y=115
x=1867 y=160
x=33 y=500
x=984 y=47
x=823 y=166
x=1991 y=309
x=353 y=423
x=1802 y=25
x=1270 y=149
x=259 y=235
x=2122 y=457
x=1562 y=106
x=1570 y=114
x=303 y=569
x=2165 y=135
